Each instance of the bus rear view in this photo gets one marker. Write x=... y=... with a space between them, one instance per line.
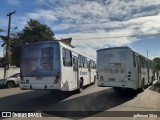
x=40 y=66
x=115 y=68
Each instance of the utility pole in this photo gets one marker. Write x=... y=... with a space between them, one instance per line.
x=147 y=53
x=8 y=42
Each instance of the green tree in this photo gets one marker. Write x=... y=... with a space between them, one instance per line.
x=157 y=63
x=2 y=60
x=34 y=31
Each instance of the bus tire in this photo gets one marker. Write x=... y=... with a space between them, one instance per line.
x=151 y=81
x=80 y=86
x=142 y=87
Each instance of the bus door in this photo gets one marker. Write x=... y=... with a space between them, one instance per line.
x=138 y=69
x=75 y=72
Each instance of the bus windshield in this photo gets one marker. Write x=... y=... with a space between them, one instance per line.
x=41 y=59
x=113 y=61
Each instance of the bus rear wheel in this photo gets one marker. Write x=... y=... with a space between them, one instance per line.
x=151 y=83
x=142 y=88
x=80 y=86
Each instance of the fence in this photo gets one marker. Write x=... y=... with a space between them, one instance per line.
x=11 y=71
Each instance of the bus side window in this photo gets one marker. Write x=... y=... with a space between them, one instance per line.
x=64 y=54
x=67 y=58
x=80 y=60
x=146 y=63
x=85 y=62
x=142 y=62
x=134 y=60
x=94 y=65
x=89 y=65
x=151 y=65
x=138 y=64
x=75 y=64
x=70 y=58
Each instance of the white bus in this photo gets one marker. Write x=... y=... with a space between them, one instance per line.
x=121 y=67
x=55 y=65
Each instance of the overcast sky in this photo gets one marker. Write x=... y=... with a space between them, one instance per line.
x=92 y=24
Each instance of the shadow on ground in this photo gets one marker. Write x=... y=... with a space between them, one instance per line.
x=156 y=87
x=61 y=104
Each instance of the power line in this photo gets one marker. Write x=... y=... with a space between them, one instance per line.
x=97 y=38
x=116 y=36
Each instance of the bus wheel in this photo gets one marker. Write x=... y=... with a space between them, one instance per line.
x=80 y=86
x=142 y=88
x=151 y=81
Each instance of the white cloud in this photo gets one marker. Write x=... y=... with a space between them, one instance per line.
x=13 y=2
x=101 y=38
x=108 y=9
x=88 y=43
x=93 y=24
x=88 y=51
x=47 y=15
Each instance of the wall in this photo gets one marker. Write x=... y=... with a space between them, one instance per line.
x=10 y=72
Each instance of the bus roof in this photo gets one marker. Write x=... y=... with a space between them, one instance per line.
x=61 y=44
x=122 y=47
x=75 y=50
x=114 y=48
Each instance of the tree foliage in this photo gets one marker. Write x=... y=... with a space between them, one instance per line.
x=16 y=56
x=34 y=31
x=157 y=63
x=2 y=60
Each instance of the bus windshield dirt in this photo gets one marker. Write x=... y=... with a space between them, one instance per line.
x=40 y=60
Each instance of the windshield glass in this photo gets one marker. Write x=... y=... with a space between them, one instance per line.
x=113 y=61
x=113 y=55
x=40 y=60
